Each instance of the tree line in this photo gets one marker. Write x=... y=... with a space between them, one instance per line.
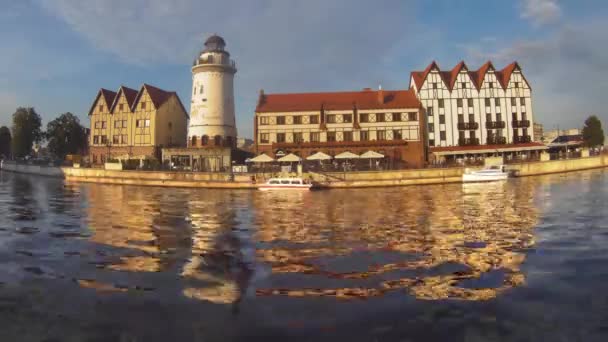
x=64 y=135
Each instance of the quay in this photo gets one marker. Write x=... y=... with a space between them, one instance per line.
x=327 y=180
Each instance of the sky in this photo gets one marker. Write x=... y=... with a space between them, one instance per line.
x=56 y=54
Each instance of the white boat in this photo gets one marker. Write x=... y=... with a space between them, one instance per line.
x=286 y=184
x=490 y=174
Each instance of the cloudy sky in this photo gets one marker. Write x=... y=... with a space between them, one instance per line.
x=56 y=54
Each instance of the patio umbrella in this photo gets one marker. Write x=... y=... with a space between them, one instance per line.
x=319 y=156
x=290 y=158
x=347 y=155
x=371 y=155
x=262 y=158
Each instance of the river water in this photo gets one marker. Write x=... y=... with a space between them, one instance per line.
x=515 y=261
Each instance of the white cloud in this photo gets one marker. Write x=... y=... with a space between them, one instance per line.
x=540 y=12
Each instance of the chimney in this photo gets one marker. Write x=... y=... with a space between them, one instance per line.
x=380 y=95
x=261 y=97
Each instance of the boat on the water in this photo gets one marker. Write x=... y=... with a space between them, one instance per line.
x=286 y=184
x=490 y=174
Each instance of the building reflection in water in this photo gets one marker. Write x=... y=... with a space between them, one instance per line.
x=452 y=241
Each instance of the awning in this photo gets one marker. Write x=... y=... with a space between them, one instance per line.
x=262 y=158
x=290 y=158
x=347 y=155
x=456 y=150
x=371 y=155
x=319 y=156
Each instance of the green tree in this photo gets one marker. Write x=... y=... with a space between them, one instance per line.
x=5 y=142
x=65 y=135
x=26 y=131
x=593 y=134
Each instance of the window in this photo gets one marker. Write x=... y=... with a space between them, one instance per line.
x=200 y=90
x=429 y=111
x=460 y=135
x=380 y=117
x=460 y=118
x=139 y=123
x=194 y=91
x=143 y=105
x=431 y=142
x=522 y=100
x=297 y=120
x=298 y=137
x=103 y=124
x=514 y=116
x=120 y=106
x=116 y=139
x=434 y=85
x=489 y=133
x=516 y=84
x=263 y=120
x=487 y=101
x=488 y=117
x=412 y=116
x=464 y=85
x=170 y=125
x=205 y=140
x=513 y=102
x=280 y=120
x=498 y=117
x=397 y=134
x=264 y=138
x=331 y=136
x=396 y=116
x=295 y=182
x=330 y=118
x=274 y=181
x=125 y=139
x=104 y=139
x=280 y=137
x=347 y=118
x=472 y=134
x=471 y=117
x=117 y=124
x=285 y=181
x=96 y=139
x=491 y=85
x=459 y=103
x=101 y=108
x=431 y=128
x=497 y=102
x=347 y=136
x=364 y=117
x=441 y=119
x=524 y=116
x=525 y=131
x=98 y=124
x=124 y=124
x=380 y=135
x=440 y=103
x=147 y=123
x=314 y=119
x=364 y=135
x=442 y=135
x=470 y=103
x=315 y=136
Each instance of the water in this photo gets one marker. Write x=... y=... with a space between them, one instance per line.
x=517 y=261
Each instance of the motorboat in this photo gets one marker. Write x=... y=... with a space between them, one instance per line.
x=489 y=174
x=286 y=184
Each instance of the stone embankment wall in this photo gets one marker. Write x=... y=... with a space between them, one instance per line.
x=330 y=180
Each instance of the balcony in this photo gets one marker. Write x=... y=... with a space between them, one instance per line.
x=521 y=123
x=522 y=139
x=495 y=124
x=468 y=141
x=468 y=125
x=496 y=140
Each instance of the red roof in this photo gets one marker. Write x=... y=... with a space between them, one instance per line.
x=130 y=95
x=366 y=99
x=477 y=76
x=483 y=147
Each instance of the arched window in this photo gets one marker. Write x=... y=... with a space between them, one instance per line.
x=229 y=141
x=205 y=140
x=193 y=143
x=217 y=140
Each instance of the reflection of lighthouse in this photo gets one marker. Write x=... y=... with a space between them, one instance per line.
x=212 y=120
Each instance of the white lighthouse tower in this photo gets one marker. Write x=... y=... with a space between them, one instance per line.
x=212 y=120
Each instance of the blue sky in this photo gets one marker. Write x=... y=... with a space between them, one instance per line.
x=56 y=54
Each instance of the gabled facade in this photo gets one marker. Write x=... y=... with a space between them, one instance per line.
x=475 y=107
x=135 y=124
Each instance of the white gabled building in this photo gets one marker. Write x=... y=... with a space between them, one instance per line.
x=467 y=108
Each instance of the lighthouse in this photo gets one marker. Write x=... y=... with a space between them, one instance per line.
x=212 y=119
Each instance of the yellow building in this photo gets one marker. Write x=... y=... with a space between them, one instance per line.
x=131 y=124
